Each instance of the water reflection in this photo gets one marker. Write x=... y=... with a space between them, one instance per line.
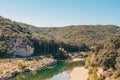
x=60 y=76
x=59 y=72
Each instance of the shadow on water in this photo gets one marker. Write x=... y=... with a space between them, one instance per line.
x=46 y=74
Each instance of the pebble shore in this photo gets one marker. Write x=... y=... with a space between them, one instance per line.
x=9 y=68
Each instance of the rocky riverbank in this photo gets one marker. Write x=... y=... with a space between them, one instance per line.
x=9 y=68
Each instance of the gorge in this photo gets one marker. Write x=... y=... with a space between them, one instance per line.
x=22 y=45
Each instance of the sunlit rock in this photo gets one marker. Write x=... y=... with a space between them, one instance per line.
x=20 y=46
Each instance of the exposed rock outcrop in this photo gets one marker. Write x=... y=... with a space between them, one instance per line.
x=20 y=46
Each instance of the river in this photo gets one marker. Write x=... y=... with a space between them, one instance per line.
x=61 y=71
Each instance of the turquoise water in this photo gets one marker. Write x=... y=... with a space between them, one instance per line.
x=58 y=72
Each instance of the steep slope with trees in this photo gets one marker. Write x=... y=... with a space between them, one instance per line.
x=26 y=40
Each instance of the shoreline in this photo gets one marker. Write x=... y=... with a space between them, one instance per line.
x=12 y=67
x=19 y=65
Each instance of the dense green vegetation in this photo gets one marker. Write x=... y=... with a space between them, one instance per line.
x=106 y=56
x=87 y=34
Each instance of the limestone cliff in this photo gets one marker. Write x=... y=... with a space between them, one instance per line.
x=20 y=46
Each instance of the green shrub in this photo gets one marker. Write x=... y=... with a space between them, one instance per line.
x=21 y=64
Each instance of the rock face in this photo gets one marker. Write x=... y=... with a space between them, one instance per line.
x=20 y=46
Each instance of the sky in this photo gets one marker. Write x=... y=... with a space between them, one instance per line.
x=57 y=13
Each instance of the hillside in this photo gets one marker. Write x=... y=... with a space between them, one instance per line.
x=25 y=40
x=77 y=33
x=20 y=38
x=82 y=33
